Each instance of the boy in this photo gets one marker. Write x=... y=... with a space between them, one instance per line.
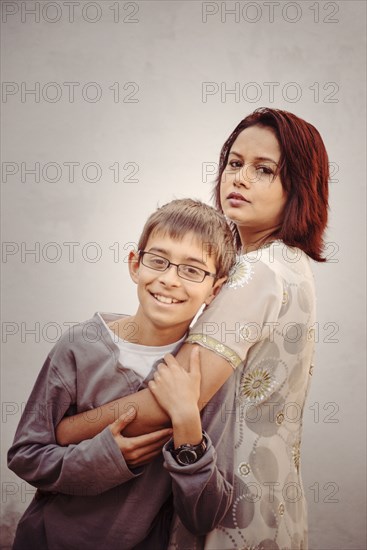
x=87 y=495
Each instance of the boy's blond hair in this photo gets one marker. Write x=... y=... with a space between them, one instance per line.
x=181 y=216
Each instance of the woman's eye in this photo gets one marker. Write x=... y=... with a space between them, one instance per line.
x=235 y=164
x=265 y=170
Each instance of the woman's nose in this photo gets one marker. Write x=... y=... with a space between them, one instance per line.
x=242 y=178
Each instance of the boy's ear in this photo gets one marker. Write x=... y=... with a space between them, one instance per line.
x=134 y=265
x=215 y=289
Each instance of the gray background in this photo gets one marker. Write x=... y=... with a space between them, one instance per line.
x=174 y=65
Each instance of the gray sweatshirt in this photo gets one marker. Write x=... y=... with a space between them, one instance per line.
x=89 y=498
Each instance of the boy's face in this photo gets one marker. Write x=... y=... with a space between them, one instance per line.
x=168 y=302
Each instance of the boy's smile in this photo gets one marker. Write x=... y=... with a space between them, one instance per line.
x=168 y=302
x=166 y=299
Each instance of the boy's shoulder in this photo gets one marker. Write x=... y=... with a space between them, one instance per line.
x=92 y=333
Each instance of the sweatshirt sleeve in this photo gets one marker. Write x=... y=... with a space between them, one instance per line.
x=202 y=495
x=203 y=491
x=88 y=468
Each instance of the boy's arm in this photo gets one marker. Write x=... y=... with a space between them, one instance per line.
x=178 y=392
x=89 y=468
x=215 y=370
x=202 y=490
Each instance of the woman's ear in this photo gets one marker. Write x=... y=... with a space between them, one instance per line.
x=215 y=289
x=134 y=265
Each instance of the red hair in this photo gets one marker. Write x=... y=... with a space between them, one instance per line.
x=304 y=173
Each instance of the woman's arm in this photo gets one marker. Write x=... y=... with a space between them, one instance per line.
x=215 y=370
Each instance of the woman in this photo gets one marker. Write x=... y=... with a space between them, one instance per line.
x=273 y=188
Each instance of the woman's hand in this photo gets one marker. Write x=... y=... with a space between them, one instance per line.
x=141 y=449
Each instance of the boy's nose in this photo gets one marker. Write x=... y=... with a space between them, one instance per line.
x=170 y=275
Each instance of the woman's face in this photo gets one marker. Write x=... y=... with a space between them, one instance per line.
x=251 y=194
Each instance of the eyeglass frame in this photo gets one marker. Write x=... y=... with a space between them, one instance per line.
x=205 y=273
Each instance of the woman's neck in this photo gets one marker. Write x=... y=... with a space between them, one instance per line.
x=254 y=241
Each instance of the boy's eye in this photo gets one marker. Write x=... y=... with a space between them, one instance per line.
x=159 y=262
x=155 y=262
x=191 y=269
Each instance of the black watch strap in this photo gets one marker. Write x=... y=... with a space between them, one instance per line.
x=189 y=454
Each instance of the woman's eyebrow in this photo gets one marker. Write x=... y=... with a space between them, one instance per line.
x=267 y=159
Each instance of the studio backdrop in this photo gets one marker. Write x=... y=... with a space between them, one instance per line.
x=112 y=108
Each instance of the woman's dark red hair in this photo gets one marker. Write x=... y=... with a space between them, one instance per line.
x=304 y=173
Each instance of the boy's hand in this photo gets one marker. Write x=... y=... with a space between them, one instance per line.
x=141 y=449
x=176 y=389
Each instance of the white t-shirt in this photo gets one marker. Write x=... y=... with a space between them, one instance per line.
x=137 y=357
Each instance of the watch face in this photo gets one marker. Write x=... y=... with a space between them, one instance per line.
x=186 y=456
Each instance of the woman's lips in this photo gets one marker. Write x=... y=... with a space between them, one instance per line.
x=236 y=199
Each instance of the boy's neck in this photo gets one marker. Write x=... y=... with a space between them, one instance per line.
x=131 y=330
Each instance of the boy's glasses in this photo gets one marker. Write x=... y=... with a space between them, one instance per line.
x=188 y=272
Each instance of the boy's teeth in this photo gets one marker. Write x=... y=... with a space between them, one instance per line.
x=165 y=299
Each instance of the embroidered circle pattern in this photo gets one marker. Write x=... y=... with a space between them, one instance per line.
x=244 y=469
x=240 y=274
x=257 y=384
x=296 y=455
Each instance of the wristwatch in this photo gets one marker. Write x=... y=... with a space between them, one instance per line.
x=189 y=454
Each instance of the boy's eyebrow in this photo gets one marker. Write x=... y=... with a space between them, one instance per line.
x=166 y=253
x=268 y=159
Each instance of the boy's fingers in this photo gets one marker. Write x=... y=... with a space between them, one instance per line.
x=152 y=385
x=133 y=448
x=144 y=453
x=157 y=436
x=145 y=458
x=144 y=439
x=123 y=420
x=169 y=360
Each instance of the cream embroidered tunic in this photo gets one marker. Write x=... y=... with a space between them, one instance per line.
x=263 y=322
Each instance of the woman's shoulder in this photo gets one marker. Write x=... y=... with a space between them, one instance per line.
x=279 y=259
